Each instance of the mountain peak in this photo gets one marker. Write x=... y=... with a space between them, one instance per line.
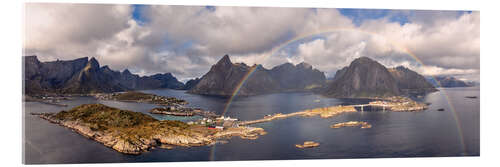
x=304 y=65
x=93 y=63
x=364 y=77
x=362 y=60
x=225 y=60
x=127 y=72
x=32 y=59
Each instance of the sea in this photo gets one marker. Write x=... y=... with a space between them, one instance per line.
x=429 y=133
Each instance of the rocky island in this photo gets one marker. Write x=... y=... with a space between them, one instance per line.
x=363 y=125
x=307 y=144
x=133 y=132
x=140 y=97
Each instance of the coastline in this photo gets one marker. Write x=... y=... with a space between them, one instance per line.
x=157 y=134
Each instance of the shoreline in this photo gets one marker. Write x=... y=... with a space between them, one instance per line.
x=393 y=104
x=195 y=136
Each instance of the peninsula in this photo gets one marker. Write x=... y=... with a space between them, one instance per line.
x=133 y=132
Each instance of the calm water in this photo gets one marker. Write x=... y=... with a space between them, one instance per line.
x=420 y=134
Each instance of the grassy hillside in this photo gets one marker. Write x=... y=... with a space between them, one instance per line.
x=127 y=124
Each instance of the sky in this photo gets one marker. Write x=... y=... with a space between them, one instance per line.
x=187 y=40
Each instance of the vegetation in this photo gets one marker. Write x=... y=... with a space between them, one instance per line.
x=132 y=96
x=127 y=124
x=143 y=97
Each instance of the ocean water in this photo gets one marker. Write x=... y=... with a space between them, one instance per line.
x=430 y=133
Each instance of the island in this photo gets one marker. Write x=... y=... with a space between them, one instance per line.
x=394 y=104
x=307 y=144
x=363 y=125
x=134 y=132
x=140 y=97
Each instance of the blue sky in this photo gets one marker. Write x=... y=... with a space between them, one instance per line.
x=137 y=14
x=359 y=15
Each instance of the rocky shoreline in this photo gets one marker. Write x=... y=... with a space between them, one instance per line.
x=363 y=125
x=132 y=140
x=307 y=144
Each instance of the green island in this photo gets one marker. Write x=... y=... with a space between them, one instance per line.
x=134 y=132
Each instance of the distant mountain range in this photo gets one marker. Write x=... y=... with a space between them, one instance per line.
x=224 y=77
x=84 y=75
x=449 y=82
x=364 y=77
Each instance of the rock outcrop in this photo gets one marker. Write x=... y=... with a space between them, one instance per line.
x=83 y=76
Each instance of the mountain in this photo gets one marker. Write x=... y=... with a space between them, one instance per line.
x=191 y=83
x=297 y=77
x=363 y=78
x=224 y=77
x=84 y=76
x=410 y=81
x=449 y=82
x=339 y=74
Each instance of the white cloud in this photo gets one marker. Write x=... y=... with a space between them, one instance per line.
x=187 y=40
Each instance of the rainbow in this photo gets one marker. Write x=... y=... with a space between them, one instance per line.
x=332 y=30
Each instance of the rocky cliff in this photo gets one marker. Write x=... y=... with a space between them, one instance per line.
x=84 y=76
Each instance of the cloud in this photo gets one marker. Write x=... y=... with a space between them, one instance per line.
x=187 y=40
x=71 y=30
x=448 y=48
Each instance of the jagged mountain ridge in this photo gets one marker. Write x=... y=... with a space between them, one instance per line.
x=223 y=78
x=84 y=75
